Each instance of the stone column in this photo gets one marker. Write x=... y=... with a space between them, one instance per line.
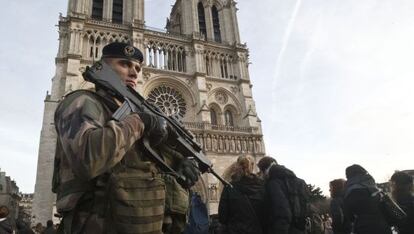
x=138 y=13
x=209 y=22
x=107 y=10
x=235 y=22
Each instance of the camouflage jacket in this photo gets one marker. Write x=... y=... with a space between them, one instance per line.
x=90 y=145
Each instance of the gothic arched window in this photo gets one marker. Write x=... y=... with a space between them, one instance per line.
x=169 y=100
x=216 y=24
x=202 y=19
x=213 y=116
x=229 y=118
x=97 y=9
x=117 y=10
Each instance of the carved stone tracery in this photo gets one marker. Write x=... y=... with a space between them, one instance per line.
x=169 y=100
x=165 y=55
x=94 y=40
x=223 y=143
x=221 y=97
x=220 y=65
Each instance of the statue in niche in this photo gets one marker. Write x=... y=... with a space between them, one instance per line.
x=238 y=148
x=232 y=144
x=220 y=143
x=201 y=140
x=213 y=192
x=243 y=145
x=223 y=142
x=214 y=143
x=226 y=144
x=258 y=146
x=251 y=145
x=208 y=142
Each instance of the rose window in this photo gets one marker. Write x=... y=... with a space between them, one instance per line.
x=169 y=100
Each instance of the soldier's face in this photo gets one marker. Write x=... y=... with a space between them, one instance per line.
x=127 y=69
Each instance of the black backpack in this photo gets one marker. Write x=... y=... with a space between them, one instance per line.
x=298 y=195
x=389 y=208
x=391 y=211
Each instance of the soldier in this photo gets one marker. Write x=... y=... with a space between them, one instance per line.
x=105 y=182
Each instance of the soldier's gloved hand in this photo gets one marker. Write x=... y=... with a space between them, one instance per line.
x=155 y=128
x=188 y=168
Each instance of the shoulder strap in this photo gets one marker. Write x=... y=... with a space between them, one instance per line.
x=358 y=186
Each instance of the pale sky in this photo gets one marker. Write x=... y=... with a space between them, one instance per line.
x=332 y=80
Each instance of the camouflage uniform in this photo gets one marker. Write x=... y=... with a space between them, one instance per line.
x=103 y=180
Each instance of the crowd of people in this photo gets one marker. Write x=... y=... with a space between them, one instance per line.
x=8 y=225
x=275 y=201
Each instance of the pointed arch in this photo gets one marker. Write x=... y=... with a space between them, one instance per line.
x=229 y=119
x=202 y=19
x=215 y=112
x=97 y=9
x=216 y=23
x=231 y=116
x=213 y=116
x=117 y=11
x=237 y=105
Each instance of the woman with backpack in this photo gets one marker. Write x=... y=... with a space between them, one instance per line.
x=361 y=207
x=287 y=198
x=340 y=224
x=402 y=193
x=241 y=207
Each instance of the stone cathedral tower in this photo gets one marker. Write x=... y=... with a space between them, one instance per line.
x=196 y=69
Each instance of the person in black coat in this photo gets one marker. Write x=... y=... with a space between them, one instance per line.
x=279 y=212
x=340 y=224
x=50 y=229
x=22 y=227
x=241 y=207
x=360 y=206
x=402 y=193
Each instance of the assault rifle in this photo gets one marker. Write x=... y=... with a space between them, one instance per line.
x=102 y=75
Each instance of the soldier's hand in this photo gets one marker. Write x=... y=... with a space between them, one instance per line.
x=155 y=128
x=188 y=168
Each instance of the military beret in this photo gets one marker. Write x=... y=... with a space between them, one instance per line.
x=122 y=50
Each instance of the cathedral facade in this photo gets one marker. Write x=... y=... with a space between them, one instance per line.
x=195 y=69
